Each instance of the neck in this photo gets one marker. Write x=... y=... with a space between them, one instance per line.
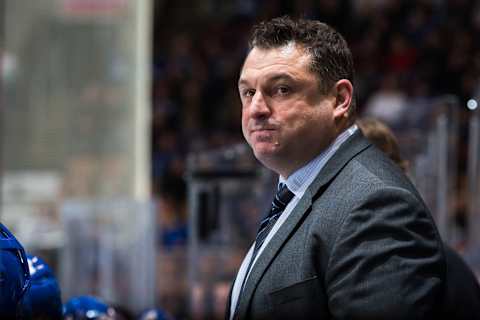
x=292 y=166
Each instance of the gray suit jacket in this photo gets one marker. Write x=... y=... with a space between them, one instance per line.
x=360 y=244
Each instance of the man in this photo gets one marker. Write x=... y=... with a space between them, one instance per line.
x=348 y=236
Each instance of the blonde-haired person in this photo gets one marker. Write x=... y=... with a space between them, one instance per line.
x=383 y=138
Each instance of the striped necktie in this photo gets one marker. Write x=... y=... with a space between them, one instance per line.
x=280 y=201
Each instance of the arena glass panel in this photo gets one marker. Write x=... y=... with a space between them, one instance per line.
x=427 y=131
x=108 y=253
x=75 y=130
x=472 y=250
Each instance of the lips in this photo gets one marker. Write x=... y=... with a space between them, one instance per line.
x=262 y=128
x=262 y=135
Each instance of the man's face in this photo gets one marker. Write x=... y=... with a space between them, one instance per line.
x=285 y=118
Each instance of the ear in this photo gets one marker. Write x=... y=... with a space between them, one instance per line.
x=344 y=94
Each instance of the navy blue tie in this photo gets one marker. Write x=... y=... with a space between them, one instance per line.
x=280 y=201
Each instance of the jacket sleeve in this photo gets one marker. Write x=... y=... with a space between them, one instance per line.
x=387 y=260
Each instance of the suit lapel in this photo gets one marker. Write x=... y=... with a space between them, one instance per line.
x=354 y=145
x=269 y=254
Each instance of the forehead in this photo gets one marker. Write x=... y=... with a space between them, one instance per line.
x=290 y=59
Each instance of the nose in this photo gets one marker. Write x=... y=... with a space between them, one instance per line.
x=259 y=106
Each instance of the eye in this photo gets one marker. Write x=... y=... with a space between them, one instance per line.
x=248 y=93
x=282 y=90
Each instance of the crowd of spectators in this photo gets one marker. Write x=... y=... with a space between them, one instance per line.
x=403 y=50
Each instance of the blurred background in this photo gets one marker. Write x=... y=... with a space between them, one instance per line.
x=122 y=159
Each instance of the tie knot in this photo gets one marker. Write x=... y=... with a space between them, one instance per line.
x=282 y=198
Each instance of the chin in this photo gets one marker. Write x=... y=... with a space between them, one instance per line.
x=266 y=155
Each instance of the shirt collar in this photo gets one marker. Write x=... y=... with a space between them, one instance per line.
x=299 y=181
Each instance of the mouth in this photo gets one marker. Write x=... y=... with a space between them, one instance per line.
x=262 y=129
x=263 y=135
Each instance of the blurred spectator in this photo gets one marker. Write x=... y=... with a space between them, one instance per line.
x=383 y=138
x=388 y=103
x=87 y=307
x=42 y=299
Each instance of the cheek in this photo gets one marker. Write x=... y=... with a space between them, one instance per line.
x=306 y=127
x=244 y=117
x=244 y=124
x=298 y=122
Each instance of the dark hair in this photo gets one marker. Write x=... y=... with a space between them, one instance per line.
x=331 y=57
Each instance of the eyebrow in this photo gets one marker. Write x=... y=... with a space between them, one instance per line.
x=271 y=78
x=241 y=82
